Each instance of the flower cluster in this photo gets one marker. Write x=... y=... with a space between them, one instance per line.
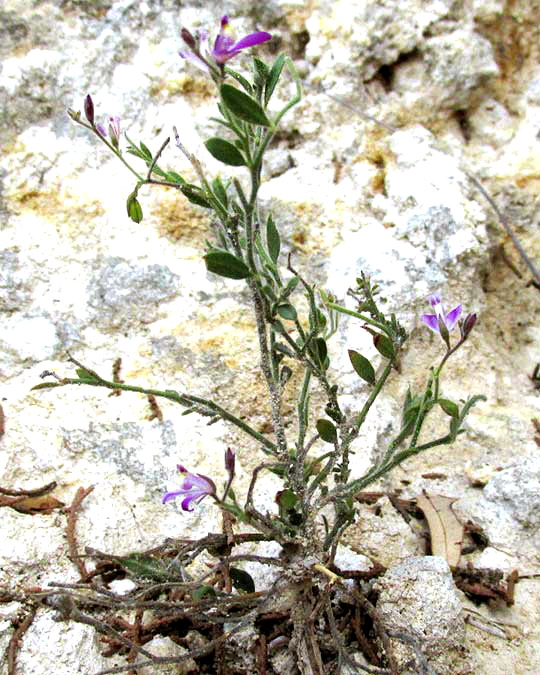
x=202 y=56
x=442 y=322
x=195 y=486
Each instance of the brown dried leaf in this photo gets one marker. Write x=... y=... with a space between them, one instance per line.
x=33 y=505
x=445 y=529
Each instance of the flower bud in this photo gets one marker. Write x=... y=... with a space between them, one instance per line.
x=229 y=461
x=114 y=131
x=134 y=209
x=468 y=325
x=74 y=114
x=188 y=38
x=89 y=109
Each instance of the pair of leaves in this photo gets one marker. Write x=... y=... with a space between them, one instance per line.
x=265 y=78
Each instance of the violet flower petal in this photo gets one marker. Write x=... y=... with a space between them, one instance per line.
x=452 y=317
x=197 y=61
x=252 y=40
x=431 y=321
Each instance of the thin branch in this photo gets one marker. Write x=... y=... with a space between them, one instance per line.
x=16 y=639
x=80 y=495
x=506 y=225
x=35 y=492
x=155 y=159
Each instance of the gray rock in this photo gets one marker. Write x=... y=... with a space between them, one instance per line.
x=15 y=291
x=508 y=509
x=124 y=294
x=419 y=602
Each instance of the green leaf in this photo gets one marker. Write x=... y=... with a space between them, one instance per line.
x=46 y=385
x=224 y=151
x=261 y=73
x=290 y=287
x=147 y=567
x=287 y=311
x=219 y=190
x=287 y=499
x=449 y=407
x=273 y=77
x=84 y=374
x=384 y=346
x=362 y=366
x=326 y=430
x=278 y=327
x=243 y=106
x=175 y=177
x=240 y=79
x=202 y=591
x=145 y=151
x=320 y=349
x=410 y=415
x=272 y=239
x=195 y=197
x=241 y=580
x=225 y=264
x=235 y=510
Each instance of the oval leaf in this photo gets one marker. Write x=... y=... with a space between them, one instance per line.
x=202 y=591
x=243 y=106
x=272 y=239
x=225 y=264
x=326 y=430
x=241 y=580
x=287 y=311
x=384 y=346
x=286 y=499
x=224 y=151
x=321 y=349
x=362 y=366
x=195 y=197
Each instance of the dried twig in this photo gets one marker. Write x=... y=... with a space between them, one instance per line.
x=74 y=555
x=36 y=492
x=338 y=641
x=155 y=410
x=16 y=640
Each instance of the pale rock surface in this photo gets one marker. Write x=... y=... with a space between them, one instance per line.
x=418 y=599
x=508 y=509
x=76 y=274
x=381 y=534
x=165 y=647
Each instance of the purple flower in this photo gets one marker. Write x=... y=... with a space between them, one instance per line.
x=440 y=320
x=194 y=489
x=113 y=130
x=225 y=47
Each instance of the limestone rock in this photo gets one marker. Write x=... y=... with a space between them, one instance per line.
x=419 y=602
